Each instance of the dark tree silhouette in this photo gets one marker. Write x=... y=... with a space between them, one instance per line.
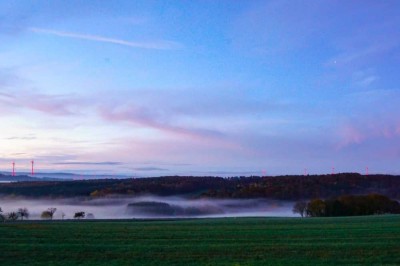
x=300 y=207
x=23 y=213
x=12 y=216
x=79 y=215
x=351 y=205
x=51 y=212
x=2 y=217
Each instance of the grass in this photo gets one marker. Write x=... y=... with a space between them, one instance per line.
x=373 y=240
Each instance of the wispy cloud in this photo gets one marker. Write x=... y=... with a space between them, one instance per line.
x=363 y=53
x=150 y=169
x=358 y=133
x=54 y=104
x=87 y=163
x=158 y=45
x=5 y=95
x=58 y=105
x=233 y=173
x=143 y=117
x=287 y=30
x=369 y=120
x=350 y=135
x=8 y=78
x=26 y=137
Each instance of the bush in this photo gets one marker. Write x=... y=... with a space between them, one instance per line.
x=79 y=215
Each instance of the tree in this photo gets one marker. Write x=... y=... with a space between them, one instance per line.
x=335 y=207
x=52 y=211
x=2 y=217
x=90 y=216
x=316 y=208
x=12 y=216
x=23 y=213
x=62 y=215
x=46 y=215
x=49 y=213
x=353 y=205
x=79 y=215
x=300 y=207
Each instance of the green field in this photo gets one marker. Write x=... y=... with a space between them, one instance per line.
x=373 y=240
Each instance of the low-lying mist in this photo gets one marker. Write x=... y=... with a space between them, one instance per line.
x=150 y=207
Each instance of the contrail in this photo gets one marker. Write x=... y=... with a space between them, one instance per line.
x=159 y=45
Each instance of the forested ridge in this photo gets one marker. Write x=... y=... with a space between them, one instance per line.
x=272 y=187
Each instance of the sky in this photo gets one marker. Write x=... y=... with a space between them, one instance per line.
x=228 y=88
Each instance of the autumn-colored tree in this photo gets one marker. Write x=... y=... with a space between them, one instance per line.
x=46 y=215
x=316 y=208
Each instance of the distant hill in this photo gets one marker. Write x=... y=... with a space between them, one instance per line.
x=271 y=187
x=60 y=176
x=24 y=178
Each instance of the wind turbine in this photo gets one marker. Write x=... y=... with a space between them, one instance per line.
x=32 y=162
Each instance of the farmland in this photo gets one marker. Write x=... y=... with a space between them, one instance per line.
x=225 y=241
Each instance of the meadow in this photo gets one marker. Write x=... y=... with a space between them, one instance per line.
x=368 y=240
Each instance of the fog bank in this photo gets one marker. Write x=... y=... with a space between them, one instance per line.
x=152 y=207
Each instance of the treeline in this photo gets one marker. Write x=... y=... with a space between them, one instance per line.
x=351 y=205
x=23 y=213
x=272 y=187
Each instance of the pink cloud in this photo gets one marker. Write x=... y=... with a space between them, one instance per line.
x=146 y=118
x=350 y=135
x=59 y=105
x=398 y=129
x=357 y=133
x=55 y=105
x=177 y=151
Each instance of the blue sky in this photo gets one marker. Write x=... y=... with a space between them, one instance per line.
x=151 y=88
